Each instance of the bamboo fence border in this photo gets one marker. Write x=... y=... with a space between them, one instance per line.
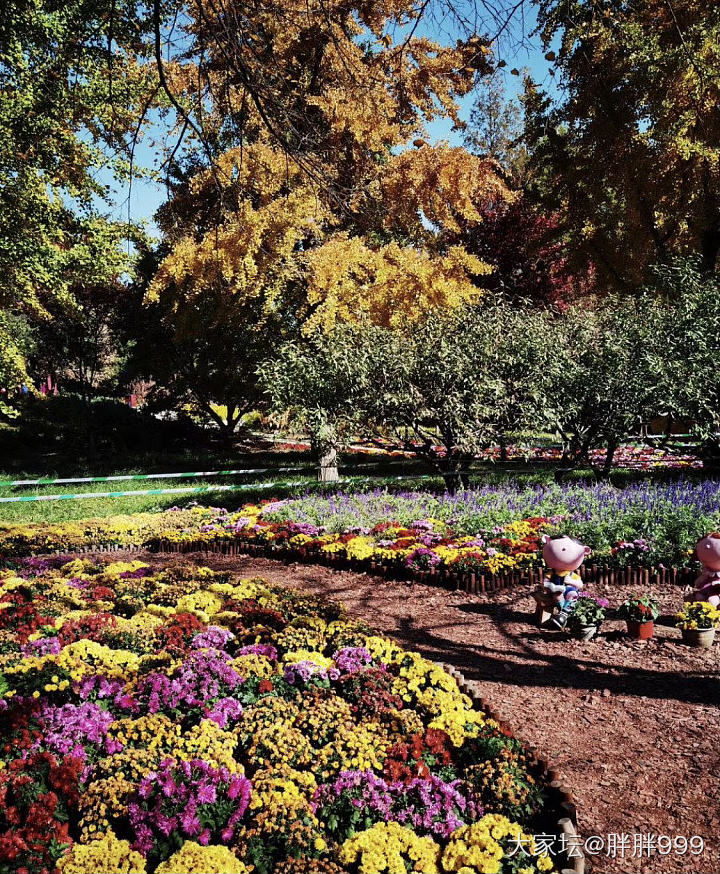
x=473 y=583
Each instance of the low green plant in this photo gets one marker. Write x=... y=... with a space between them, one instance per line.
x=642 y=608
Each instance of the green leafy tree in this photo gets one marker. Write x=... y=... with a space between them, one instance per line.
x=462 y=381
x=600 y=385
x=74 y=85
x=324 y=385
x=685 y=303
x=495 y=129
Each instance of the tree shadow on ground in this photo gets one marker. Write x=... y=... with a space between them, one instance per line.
x=558 y=670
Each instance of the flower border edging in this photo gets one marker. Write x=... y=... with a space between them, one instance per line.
x=473 y=583
x=561 y=798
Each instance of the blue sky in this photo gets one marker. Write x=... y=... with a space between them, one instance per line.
x=141 y=200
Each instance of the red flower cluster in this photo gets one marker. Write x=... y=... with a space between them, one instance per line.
x=252 y=614
x=101 y=593
x=528 y=545
x=19 y=727
x=35 y=796
x=369 y=692
x=423 y=755
x=87 y=628
x=22 y=619
x=470 y=562
x=175 y=636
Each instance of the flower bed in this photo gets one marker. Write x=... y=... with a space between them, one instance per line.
x=491 y=532
x=184 y=721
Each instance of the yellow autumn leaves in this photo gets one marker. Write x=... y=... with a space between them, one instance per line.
x=282 y=246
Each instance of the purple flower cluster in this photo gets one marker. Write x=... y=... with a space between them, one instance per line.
x=428 y=805
x=198 y=684
x=188 y=800
x=99 y=687
x=34 y=566
x=640 y=544
x=302 y=673
x=225 y=711
x=364 y=790
x=587 y=596
x=137 y=574
x=422 y=559
x=71 y=728
x=44 y=646
x=213 y=638
x=306 y=528
x=351 y=659
x=259 y=649
x=422 y=525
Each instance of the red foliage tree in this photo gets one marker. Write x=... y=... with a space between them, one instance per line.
x=527 y=251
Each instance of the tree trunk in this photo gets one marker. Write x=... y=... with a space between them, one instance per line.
x=503 y=449
x=452 y=481
x=602 y=474
x=327 y=468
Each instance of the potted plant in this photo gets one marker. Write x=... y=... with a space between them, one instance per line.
x=697 y=621
x=587 y=614
x=640 y=614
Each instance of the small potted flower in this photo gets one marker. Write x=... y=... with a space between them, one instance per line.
x=586 y=617
x=640 y=614
x=697 y=621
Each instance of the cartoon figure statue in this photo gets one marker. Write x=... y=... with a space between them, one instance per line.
x=707 y=585
x=563 y=555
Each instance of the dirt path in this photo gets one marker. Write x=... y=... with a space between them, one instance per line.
x=633 y=728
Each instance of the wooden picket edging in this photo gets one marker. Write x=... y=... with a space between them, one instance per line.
x=562 y=813
x=474 y=583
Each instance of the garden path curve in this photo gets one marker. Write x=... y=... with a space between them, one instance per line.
x=631 y=727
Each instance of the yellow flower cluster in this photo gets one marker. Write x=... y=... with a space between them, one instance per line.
x=253 y=666
x=360 y=548
x=417 y=673
x=302 y=636
x=392 y=848
x=105 y=798
x=453 y=714
x=212 y=744
x=354 y=748
x=306 y=655
x=104 y=854
x=497 y=785
x=382 y=649
x=280 y=807
x=202 y=604
x=267 y=712
x=480 y=848
x=151 y=732
x=278 y=743
x=320 y=716
x=698 y=615
x=86 y=657
x=282 y=785
x=192 y=858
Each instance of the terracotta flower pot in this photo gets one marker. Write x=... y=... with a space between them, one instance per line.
x=702 y=637
x=584 y=632
x=641 y=630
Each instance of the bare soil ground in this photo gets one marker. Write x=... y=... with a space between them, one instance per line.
x=632 y=727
